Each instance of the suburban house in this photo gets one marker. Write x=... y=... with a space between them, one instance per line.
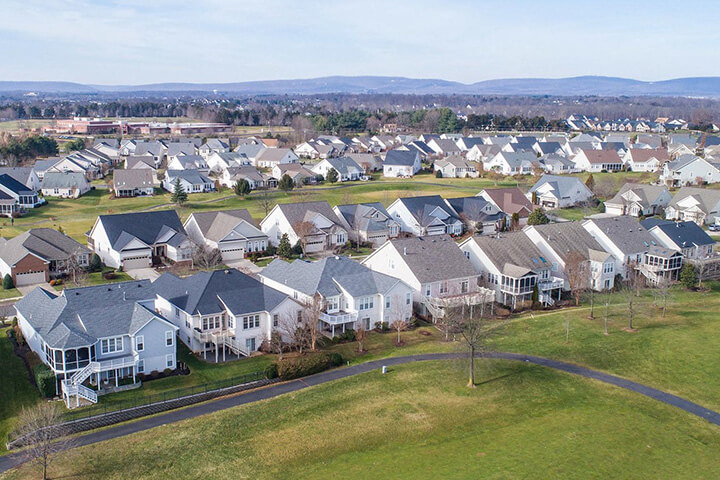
x=176 y=150
x=554 y=163
x=75 y=337
x=134 y=240
x=482 y=152
x=42 y=166
x=510 y=200
x=699 y=205
x=660 y=265
x=367 y=222
x=367 y=161
x=443 y=146
x=255 y=178
x=456 y=167
x=192 y=181
x=646 y=159
x=513 y=163
x=434 y=267
x=554 y=191
x=219 y=162
x=152 y=149
x=598 y=161
x=233 y=232
x=312 y=223
x=638 y=200
x=687 y=238
x=222 y=312
x=213 y=145
x=39 y=254
x=345 y=167
x=427 y=215
x=349 y=292
x=141 y=162
x=568 y=243
x=188 y=162
x=16 y=197
x=623 y=237
x=514 y=268
x=477 y=214
x=689 y=170
x=65 y=184
x=269 y=157
x=24 y=175
x=250 y=150
x=297 y=172
x=398 y=163
x=133 y=183
x=549 y=148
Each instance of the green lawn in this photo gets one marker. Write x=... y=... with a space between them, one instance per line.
x=420 y=421
x=11 y=293
x=16 y=391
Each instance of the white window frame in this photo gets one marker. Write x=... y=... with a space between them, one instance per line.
x=140 y=343
x=169 y=338
x=141 y=366
x=169 y=361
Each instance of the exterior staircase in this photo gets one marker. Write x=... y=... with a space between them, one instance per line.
x=73 y=389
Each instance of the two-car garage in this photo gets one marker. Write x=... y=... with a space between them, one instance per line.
x=30 y=278
x=131 y=263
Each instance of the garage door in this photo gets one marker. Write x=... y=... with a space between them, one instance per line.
x=29 y=278
x=131 y=263
x=233 y=253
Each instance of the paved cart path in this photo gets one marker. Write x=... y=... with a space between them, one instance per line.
x=14 y=459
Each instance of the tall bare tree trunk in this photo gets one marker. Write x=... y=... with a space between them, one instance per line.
x=471 y=380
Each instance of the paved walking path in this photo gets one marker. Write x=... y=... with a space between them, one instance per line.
x=14 y=459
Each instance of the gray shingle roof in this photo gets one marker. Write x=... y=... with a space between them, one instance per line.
x=79 y=316
x=434 y=258
x=145 y=226
x=130 y=179
x=512 y=253
x=205 y=293
x=328 y=276
x=421 y=208
x=367 y=217
x=400 y=158
x=218 y=224
x=192 y=176
x=567 y=237
x=474 y=209
x=298 y=212
x=63 y=180
x=45 y=243
x=626 y=233
x=682 y=234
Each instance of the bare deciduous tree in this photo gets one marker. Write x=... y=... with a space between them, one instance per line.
x=631 y=289
x=361 y=334
x=304 y=230
x=311 y=319
x=473 y=327
x=206 y=258
x=577 y=269
x=265 y=200
x=663 y=292
x=37 y=427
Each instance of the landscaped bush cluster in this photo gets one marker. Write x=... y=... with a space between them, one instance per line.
x=45 y=380
x=109 y=275
x=301 y=366
x=347 y=336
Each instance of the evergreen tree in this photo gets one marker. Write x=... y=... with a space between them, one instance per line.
x=241 y=187
x=332 y=176
x=284 y=249
x=538 y=217
x=95 y=263
x=286 y=183
x=688 y=276
x=179 y=194
x=7 y=282
x=590 y=182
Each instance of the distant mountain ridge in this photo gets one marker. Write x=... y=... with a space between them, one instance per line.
x=572 y=86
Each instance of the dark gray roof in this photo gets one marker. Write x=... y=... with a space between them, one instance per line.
x=20 y=174
x=682 y=234
x=400 y=158
x=367 y=217
x=298 y=212
x=218 y=224
x=131 y=179
x=185 y=148
x=205 y=293
x=79 y=316
x=343 y=165
x=562 y=185
x=13 y=185
x=475 y=209
x=45 y=243
x=433 y=258
x=132 y=161
x=328 y=276
x=422 y=208
x=192 y=176
x=153 y=148
x=148 y=227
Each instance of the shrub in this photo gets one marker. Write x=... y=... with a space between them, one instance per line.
x=296 y=367
x=167 y=371
x=7 y=282
x=335 y=359
x=109 y=275
x=53 y=282
x=95 y=263
x=347 y=336
x=271 y=371
x=438 y=174
x=17 y=333
x=45 y=380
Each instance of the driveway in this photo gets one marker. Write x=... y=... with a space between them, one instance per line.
x=143 y=273
x=244 y=265
x=25 y=289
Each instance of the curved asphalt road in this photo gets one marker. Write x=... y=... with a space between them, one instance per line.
x=14 y=459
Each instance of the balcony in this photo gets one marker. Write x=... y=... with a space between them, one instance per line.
x=552 y=283
x=338 y=318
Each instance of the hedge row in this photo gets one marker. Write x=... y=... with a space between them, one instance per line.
x=45 y=380
x=296 y=367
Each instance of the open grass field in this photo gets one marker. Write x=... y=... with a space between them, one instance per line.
x=16 y=391
x=419 y=421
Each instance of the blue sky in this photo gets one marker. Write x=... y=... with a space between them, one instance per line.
x=151 y=41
